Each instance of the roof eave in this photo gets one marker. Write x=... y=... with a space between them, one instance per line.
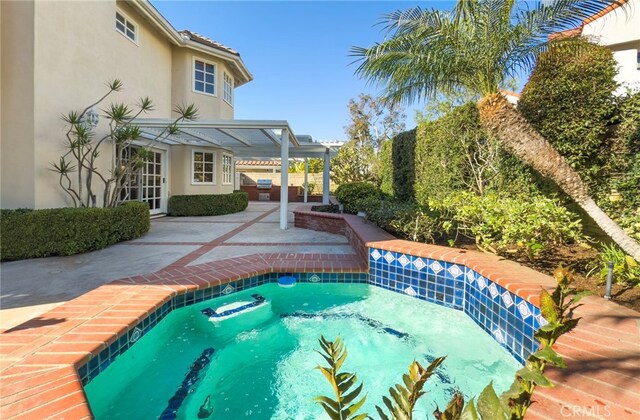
x=147 y=10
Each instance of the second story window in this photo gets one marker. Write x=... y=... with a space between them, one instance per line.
x=126 y=27
x=204 y=77
x=228 y=89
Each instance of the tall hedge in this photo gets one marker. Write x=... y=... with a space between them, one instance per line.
x=440 y=156
x=207 y=204
x=403 y=156
x=569 y=99
x=67 y=231
x=385 y=167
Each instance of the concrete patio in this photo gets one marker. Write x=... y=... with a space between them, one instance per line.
x=33 y=287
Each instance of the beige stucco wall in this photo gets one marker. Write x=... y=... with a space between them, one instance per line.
x=70 y=72
x=57 y=57
x=620 y=31
x=17 y=103
x=180 y=177
x=209 y=106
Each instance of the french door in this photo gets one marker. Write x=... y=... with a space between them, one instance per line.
x=149 y=183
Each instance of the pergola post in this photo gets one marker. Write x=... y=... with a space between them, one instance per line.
x=325 y=178
x=306 y=178
x=284 y=179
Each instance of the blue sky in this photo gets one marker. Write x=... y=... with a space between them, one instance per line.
x=298 y=53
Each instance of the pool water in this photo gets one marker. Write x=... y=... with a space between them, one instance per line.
x=263 y=361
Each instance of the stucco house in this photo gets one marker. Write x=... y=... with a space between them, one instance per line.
x=617 y=27
x=57 y=56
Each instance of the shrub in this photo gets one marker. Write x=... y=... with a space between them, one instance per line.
x=405 y=220
x=350 y=195
x=625 y=269
x=207 y=205
x=521 y=224
x=67 y=231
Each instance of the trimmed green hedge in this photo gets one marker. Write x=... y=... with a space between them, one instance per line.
x=28 y=233
x=207 y=205
x=351 y=195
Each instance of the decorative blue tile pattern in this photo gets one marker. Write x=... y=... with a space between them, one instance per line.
x=102 y=360
x=509 y=319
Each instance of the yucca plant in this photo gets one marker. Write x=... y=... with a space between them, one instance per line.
x=83 y=148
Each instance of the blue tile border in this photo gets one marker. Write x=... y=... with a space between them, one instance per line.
x=508 y=318
x=102 y=360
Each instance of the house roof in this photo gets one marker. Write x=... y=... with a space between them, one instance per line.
x=578 y=31
x=194 y=41
x=208 y=42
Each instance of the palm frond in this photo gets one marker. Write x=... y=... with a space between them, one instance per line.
x=478 y=46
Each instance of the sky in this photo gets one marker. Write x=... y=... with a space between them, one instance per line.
x=298 y=53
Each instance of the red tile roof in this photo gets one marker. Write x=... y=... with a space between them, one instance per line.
x=578 y=31
x=258 y=163
x=195 y=37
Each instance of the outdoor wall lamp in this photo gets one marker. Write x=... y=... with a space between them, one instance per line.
x=91 y=118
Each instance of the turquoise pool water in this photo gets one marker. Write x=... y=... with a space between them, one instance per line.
x=263 y=361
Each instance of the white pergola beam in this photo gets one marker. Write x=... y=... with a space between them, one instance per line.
x=235 y=135
x=271 y=136
x=200 y=136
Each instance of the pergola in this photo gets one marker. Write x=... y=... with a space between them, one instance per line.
x=248 y=139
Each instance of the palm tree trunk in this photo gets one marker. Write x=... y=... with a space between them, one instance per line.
x=515 y=133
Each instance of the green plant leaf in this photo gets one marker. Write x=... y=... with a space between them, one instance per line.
x=578 y=296
x=534 y=376
x=550 y=356
x=469 y=412
x=454 y=408
x=489 y=406
x=334 y=406
x=548 y=307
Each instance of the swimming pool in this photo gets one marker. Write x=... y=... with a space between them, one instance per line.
x=260 y=364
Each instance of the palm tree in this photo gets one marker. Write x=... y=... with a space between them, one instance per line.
x=477 y=48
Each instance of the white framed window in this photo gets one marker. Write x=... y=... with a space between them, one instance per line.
x=228 y=89
x=204 y=77
x=203 y=167
x=227 y=169
x=126 y=27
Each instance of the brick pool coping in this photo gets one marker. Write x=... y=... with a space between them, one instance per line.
x=38 y=368
x=602 y=353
